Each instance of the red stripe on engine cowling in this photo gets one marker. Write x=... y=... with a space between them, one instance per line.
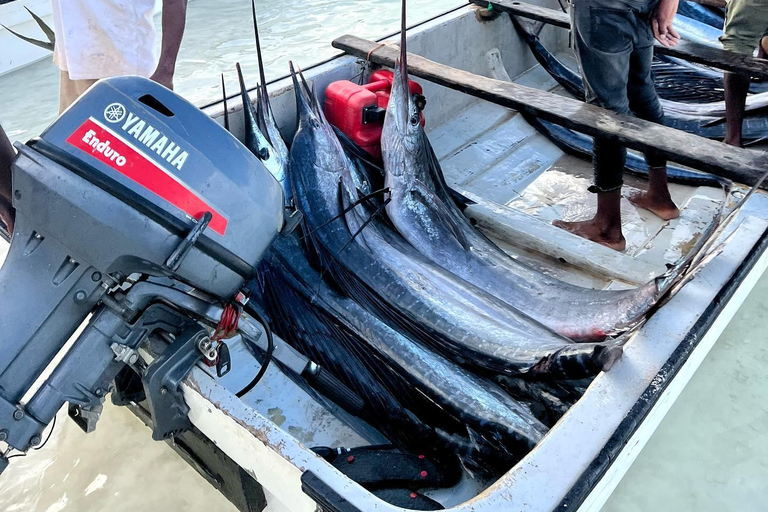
x=146 y=172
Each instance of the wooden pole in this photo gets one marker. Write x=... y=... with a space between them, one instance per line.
x=740 y=165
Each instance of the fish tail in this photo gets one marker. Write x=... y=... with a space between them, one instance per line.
x=48 y=31
x=42 y=44
x=579 y=360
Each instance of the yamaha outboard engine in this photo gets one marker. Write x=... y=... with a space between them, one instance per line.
x=136 y=208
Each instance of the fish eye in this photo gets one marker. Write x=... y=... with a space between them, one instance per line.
x=420 y=101
x=415 y=119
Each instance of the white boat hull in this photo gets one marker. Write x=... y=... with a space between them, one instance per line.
x=584 y=456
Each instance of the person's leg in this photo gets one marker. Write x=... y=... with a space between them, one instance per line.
x=70 y=90
x=605 y=227
x=644 y=103
x=745 y=23
x=603 y=43
x=67 y=91
x=7 y=154
x=736 y=88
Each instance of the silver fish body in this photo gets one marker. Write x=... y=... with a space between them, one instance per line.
x=257 y=142
x=425 y=215
x=479 y=402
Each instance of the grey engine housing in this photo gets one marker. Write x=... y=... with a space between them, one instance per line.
x=112 y=188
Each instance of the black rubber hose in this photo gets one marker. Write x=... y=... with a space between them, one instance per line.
x=267 y=358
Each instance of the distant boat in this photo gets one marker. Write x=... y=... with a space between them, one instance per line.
x=17 y=53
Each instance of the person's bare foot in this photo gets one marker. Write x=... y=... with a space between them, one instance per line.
x=595 y=231
x=662 y=207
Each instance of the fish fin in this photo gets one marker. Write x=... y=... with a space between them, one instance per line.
x=438 y=177
x=264 y=100
x=365 y=223
x=261 y=113
x=306 y=321
x=430 y=198
x=48 y=31
x=356 y=151
x=42 y=44
x=353 y=219
x=226 y=109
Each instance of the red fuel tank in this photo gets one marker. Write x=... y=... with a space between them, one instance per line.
x=358 y=110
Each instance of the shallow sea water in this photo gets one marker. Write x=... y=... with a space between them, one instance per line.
x=710 y=454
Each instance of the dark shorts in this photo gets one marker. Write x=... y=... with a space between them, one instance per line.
x=614 y=47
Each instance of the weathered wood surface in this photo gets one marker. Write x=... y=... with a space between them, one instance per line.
x=740 y=165
x=688 y=50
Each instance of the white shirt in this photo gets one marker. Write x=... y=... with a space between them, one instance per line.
x=103 y=38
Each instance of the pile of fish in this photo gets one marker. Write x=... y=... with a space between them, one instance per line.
x=709 y=15
x=455 y=348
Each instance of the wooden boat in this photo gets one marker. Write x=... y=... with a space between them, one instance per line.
x=256 y=450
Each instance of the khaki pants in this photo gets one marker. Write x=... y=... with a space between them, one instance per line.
x=70 y=90
x=746 y=23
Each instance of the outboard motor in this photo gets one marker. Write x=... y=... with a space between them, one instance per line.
x=136 y=208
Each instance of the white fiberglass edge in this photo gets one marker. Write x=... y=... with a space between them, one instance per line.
x=605 y=487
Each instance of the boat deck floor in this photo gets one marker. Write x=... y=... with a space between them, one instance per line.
x=491 y=152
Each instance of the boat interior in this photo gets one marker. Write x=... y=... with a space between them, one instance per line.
x=519 y=182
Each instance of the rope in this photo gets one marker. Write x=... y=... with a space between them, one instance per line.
x=368 y=57
x=227 y=326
